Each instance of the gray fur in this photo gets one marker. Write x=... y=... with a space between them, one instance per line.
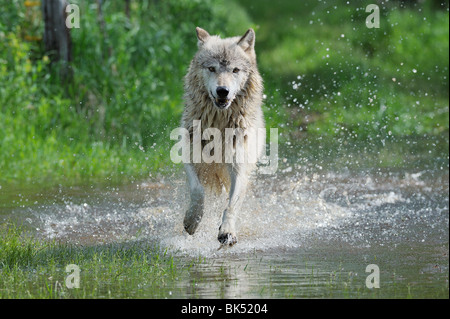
x=234 y=63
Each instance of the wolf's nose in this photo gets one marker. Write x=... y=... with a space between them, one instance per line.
x=222 y=91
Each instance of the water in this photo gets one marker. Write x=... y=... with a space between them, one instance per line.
x=308 y=231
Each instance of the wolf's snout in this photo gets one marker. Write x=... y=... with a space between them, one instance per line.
x=222 y=91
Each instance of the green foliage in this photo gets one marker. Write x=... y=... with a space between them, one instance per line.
x=342 y=78
x=112 y=120
x=325 y=74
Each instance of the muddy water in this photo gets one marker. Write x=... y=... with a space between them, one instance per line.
x=308 y=231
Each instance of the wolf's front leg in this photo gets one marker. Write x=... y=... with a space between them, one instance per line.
x=195 y=212
x=239 y=180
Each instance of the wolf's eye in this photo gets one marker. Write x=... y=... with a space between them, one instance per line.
x=236 y=70
x=212 y=69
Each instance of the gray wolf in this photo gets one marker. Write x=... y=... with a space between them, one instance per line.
x=223 y=89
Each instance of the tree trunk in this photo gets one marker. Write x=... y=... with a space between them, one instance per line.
x=57 y=39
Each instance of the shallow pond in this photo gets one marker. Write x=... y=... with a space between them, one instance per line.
x=308 y=231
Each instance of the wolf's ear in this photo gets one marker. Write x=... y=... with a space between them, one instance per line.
x=202 y=36
x=247 y=42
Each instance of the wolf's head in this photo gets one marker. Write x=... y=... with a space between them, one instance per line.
x=225 y=65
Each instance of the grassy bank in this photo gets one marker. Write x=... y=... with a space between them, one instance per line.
x=325 y=73
x=30 y=268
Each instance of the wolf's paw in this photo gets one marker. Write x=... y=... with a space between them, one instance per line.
x=191 y=222
x=190 y=228
x=227 y=239
x=226 y=236
x=227 y=233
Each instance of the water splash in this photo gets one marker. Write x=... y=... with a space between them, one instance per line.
x=289 y=210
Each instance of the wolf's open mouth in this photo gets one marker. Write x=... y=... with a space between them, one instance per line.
x=222 y=103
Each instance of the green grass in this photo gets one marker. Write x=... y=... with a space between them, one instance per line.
x=341 y=78
x=112 y=121
x=31 y=268
x=326 y=75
